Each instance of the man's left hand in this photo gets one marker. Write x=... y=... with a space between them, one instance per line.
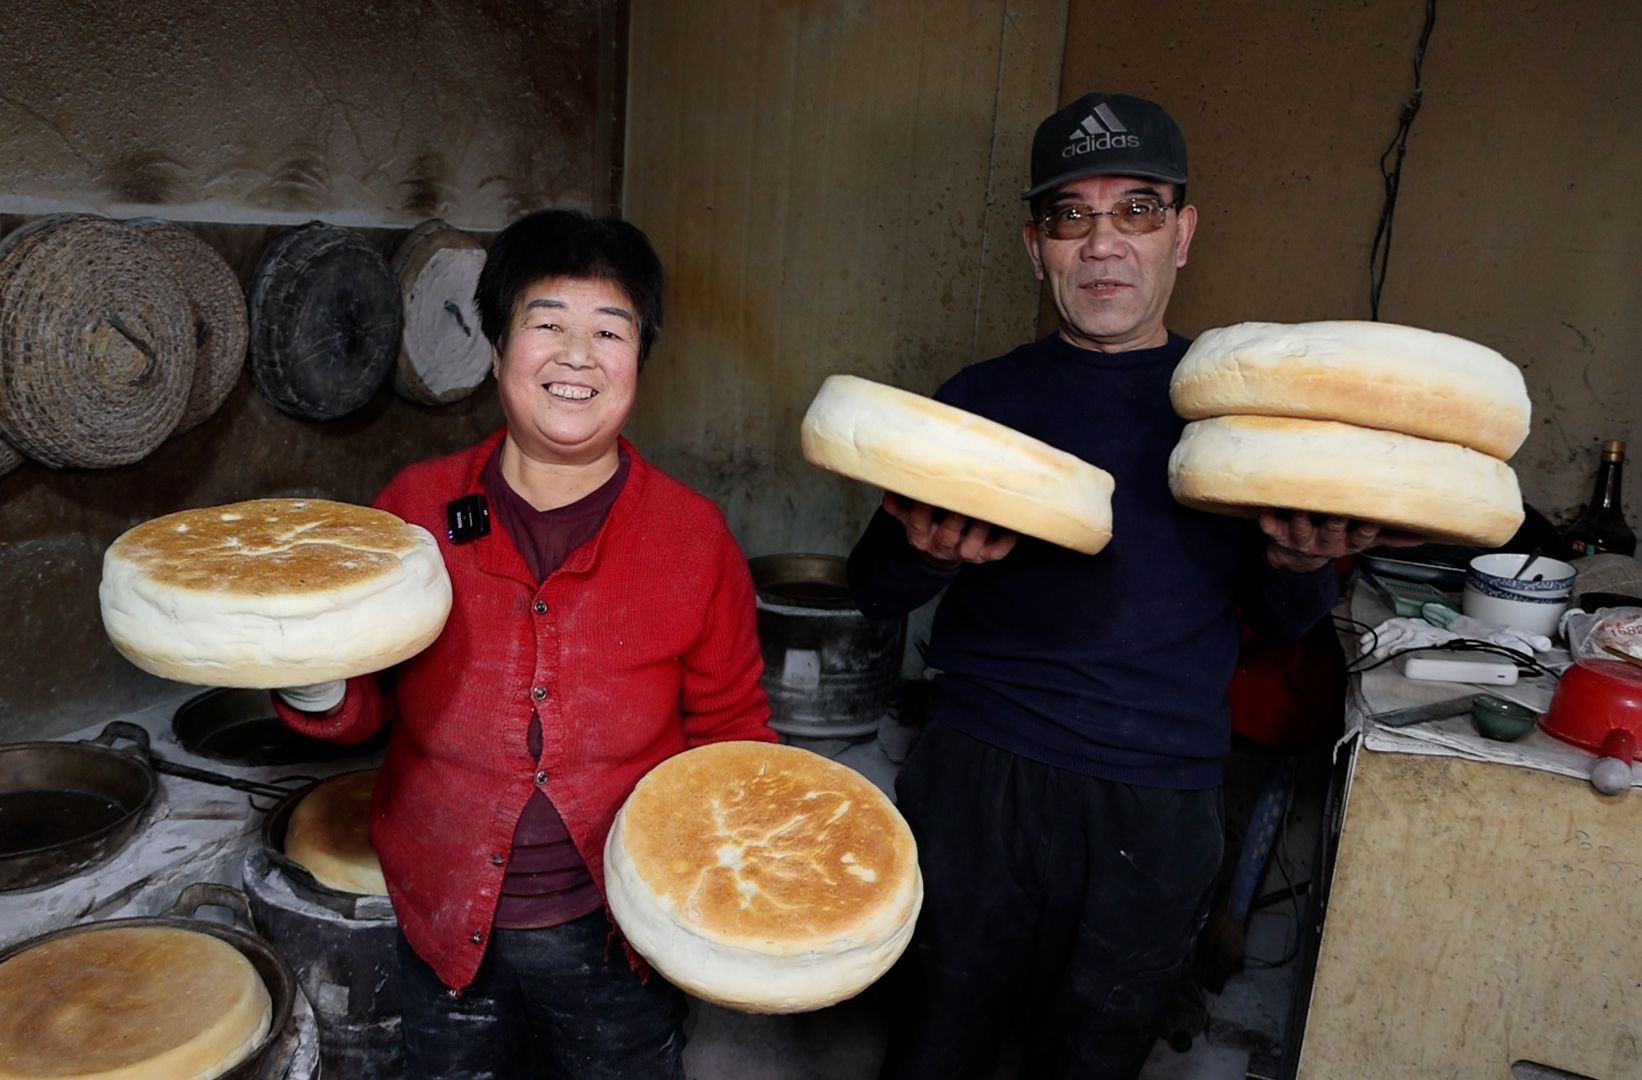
x=1303 y=542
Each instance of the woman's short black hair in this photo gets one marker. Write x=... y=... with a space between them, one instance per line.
x=572 y=244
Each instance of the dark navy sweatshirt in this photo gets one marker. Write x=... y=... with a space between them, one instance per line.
x=1116 y=664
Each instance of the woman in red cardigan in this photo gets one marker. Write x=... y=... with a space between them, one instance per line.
x=603 y=623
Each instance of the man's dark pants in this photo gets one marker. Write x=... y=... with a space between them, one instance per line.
x=559 y=1003
x=1055 y=901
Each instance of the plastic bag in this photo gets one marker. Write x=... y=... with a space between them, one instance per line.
x=1593 y=633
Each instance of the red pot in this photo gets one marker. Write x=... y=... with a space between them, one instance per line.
x=1598 y=707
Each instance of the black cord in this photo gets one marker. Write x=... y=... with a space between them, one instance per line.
x=1524 y=661
x=1379 y=255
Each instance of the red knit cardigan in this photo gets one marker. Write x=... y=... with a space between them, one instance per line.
x=642 y=644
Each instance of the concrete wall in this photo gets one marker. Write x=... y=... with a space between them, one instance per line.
x=240 y=118
x=834 y=187
x=1518 y=222
x=363 y=114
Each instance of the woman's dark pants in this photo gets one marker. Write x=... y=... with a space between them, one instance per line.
x=546 y=1003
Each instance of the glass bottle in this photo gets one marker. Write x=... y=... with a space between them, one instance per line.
x=1601 y=525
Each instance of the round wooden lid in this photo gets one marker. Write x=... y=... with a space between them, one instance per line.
x=217 y=304
x=325 y=315
x=443 y=354
x=96 y=343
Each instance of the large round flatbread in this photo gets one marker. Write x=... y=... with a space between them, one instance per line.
x=947 y=457
x=763 y=877
x=329 y=835
x=1378 y=375
x=1236 y=464
x=273 y=592
x=129 y=1003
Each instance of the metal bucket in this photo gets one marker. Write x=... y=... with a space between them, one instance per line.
x=830 y=671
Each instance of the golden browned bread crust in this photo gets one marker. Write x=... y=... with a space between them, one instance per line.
x=301 y=545
x=763 y=876
x=129 y=1003
x=273 y=592
x=1370 y=374
x=329 y=835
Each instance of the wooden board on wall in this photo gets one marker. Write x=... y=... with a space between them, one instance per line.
x=1479 y=915
x=834 y=187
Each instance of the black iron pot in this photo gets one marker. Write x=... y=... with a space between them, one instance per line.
x=67 y=806
x=275 y=972
x=304 y=884
x=240 y=727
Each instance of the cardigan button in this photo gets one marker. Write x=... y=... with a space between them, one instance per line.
x=541 y=776
x=538 y=692
x=541 y=607
x=478 y=936
x=496 y=859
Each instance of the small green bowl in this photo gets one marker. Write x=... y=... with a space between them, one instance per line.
x=1496 y=718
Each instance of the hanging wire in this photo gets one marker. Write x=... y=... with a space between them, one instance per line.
x=1524 y=661
x=1379 y=255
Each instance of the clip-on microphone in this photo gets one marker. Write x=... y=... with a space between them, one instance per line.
x=468 y=518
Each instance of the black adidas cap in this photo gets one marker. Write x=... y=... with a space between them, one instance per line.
x=1107 y=135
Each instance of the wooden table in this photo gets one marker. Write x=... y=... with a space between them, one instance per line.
x=1477 y=915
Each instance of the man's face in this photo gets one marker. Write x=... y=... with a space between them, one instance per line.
x=1112 y=289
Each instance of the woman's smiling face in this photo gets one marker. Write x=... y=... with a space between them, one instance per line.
x=569 y=368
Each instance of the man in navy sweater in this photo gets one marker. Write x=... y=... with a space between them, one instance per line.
x=1065 y=796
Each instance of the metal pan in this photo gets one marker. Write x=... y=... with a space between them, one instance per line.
x=275 y=972
x=304 y=884
x=240 y=727
x=67 y=806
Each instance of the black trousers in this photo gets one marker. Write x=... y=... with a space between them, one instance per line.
x=545 y=1003
x=1057 y=904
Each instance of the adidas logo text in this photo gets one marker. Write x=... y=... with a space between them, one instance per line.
x=1100 y=142
x=1100 y=130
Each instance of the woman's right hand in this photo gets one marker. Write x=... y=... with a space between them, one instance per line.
x=951 y=540
x=315 y=697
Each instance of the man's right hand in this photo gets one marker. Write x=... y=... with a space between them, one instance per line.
x=952 y=540
x=314 y=698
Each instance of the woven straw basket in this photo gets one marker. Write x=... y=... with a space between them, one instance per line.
x=217 y=304
x=325 y=320
x=96 y=343
x=443 y=353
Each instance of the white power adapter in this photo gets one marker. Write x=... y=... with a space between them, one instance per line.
x=1447 y=666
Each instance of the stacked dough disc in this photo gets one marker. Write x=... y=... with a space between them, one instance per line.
x=1373 y=421
x=329 y=835
x=932 y=452
x=273 y=592
x=763 y=877
x=129 y=1002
